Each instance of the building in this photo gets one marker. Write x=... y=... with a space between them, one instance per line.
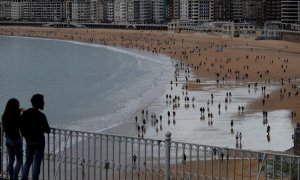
x=173 y=10
x=109 y=13
x=227 y=4
x=290 y=11
x=80 y=11
x=158 y=11
x=120 y=11
x=47 y=11
x=100 y=7
x=234 y=29
x=206 y=10
x=185 y=10
x=188 y=12
x=236 y=10
x=273 y=10
x=133 y=12
x=252 y=11
x=16 y=10
x=145 y=11
x=5 y=9
x=196 y=11
x=219 y=10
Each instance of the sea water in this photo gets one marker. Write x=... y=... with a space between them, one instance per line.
x=86 y=87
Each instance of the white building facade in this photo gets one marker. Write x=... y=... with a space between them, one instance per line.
x=120 y=11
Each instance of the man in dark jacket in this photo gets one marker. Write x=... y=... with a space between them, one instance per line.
x=33 y=126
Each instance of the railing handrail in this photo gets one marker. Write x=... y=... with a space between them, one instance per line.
x=107 y=154
x=180 y=142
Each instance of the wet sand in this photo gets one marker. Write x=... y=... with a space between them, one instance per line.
x=234 y=62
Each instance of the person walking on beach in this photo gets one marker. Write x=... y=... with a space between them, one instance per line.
x=184 y=158
x=33 y=126
x=11 y=119
x=268 y=129
x=222 y=156
x=134 y=159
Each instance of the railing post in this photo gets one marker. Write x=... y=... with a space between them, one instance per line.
x=168 y=150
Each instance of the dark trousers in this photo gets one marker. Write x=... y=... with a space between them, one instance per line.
x=34 y=154
x=15 y=152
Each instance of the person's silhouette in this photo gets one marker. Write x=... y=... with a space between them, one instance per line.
x=34 y=125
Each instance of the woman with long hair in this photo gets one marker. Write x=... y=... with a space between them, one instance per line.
x=11 y=120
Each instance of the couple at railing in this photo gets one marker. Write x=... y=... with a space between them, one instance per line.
x=31 y=124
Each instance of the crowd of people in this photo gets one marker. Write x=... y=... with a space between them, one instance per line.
x=173 y=100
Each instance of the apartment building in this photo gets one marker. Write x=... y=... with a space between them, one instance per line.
x=205 y=11
x=93 y=8
x=121 y=11
x=290 y=11
x=174 y=10
x=236 y=10
x=100 y=5
x=227 y=4
x=219 y=10
x=36 y=10
x=5 y=9
x=130 y=11
x=273 y=10
x=196 y=11
x=158 y=11
x=109 y=11
x=145 y=11
x=252 y=11
x=16 y=10
x=80 y=11
x=185 y=10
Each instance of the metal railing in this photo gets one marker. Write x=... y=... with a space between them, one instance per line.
x=85 y=155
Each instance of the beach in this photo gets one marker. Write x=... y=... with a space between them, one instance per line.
x=226 y=62
x=263 y=76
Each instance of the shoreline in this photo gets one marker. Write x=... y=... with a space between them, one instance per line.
x=215 y=49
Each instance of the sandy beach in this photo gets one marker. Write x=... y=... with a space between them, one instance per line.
x=214 y=57
x=210 y=56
